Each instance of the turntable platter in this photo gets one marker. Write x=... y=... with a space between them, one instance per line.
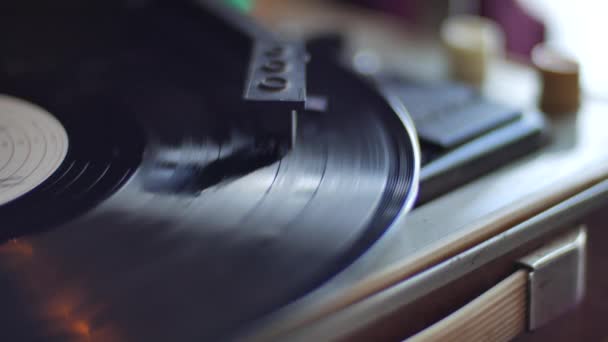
x=145 y=241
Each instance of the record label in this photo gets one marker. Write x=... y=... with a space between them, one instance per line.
x=33 y=144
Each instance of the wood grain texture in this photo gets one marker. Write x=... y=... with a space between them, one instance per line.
x=576 y=160
x=497 y=315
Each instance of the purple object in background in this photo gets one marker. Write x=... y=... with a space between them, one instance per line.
x=522 y=31
x=406 y=9
x=419 y=13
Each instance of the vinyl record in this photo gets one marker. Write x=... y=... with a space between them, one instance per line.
x=163 y=222
x=32 y=146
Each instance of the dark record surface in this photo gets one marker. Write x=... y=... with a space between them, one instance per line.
x=132 y=239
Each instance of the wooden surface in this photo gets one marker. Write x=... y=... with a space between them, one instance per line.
x=497 y=315
x=576 y=159
x=586 y=322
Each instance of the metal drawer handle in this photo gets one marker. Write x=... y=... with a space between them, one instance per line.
x=551 y=281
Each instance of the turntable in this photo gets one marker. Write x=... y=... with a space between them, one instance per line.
x=164 y=165
x=173 y=164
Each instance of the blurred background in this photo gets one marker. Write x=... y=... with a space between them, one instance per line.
x=572 y=27
x=409 y=33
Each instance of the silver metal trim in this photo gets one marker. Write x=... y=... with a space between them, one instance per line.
x=556 y=281
x=376 y=307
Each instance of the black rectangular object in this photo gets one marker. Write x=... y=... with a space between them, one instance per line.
x=454 y=126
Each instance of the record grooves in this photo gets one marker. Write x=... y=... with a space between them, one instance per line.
x=171 y=208
x=89 y=173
